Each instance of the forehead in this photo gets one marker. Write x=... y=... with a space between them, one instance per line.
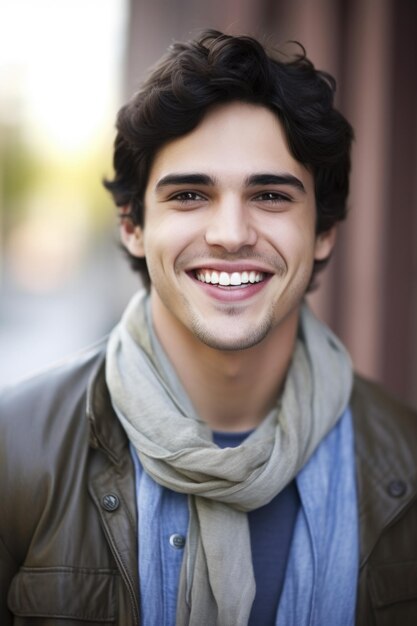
x=233 y=140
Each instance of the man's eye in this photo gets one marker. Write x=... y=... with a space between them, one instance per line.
x=272 y=197
x=187 y=196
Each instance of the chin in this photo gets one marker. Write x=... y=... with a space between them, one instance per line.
x=230 y=342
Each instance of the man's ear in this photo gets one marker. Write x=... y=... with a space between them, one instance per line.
x=324 y=244
x=130 y=234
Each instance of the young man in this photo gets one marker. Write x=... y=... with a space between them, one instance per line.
x=215 y=461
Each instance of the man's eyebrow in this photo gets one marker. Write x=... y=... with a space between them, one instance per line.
x=184 y=179
x=253 y=180
x=256 y=180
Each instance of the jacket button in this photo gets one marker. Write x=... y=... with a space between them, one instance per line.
x=177 y=541
x=397 y=488
x=110 y=502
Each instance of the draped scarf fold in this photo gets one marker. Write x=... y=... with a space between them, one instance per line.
x=175 y=448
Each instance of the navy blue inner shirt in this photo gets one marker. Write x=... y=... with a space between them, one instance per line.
x=271 y=529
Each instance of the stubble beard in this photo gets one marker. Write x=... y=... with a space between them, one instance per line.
x=212 y=340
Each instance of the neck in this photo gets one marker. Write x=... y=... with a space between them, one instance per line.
x=230 y=390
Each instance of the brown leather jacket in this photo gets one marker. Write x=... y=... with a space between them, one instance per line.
x=68 y=541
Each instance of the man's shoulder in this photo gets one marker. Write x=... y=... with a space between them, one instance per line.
x=71 y=372
x=44 y=443
x=43 y=426
x=372 y=405
x=54 y=392
x=385 y=433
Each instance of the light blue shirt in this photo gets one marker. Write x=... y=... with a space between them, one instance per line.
x=163 y=522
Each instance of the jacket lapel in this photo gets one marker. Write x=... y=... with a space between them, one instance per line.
x=112 y=487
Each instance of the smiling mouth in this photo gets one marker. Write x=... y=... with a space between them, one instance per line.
x=226 y=279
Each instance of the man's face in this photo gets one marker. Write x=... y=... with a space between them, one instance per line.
x=229 y=230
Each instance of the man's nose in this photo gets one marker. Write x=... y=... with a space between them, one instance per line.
x=230 y=226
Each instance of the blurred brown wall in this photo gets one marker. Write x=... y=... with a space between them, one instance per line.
x=369 y=293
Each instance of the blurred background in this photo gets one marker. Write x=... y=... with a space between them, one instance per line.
x=66 y=66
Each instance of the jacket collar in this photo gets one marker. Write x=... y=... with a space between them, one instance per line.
x=106 y=431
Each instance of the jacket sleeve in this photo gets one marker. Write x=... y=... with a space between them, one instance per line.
x=8 y=471
x=20 y=492
x=8 y=569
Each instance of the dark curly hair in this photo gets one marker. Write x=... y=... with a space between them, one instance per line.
x=217 y=68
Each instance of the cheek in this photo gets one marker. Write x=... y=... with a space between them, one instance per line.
x=165 y=240
x=304 y=236
x=293 y=241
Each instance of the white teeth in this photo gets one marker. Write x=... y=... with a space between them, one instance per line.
x=224 y=279
x=235 y=279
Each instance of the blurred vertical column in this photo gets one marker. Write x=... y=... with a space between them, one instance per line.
x=400 y=268
x=378 y=269
x=367 y=104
